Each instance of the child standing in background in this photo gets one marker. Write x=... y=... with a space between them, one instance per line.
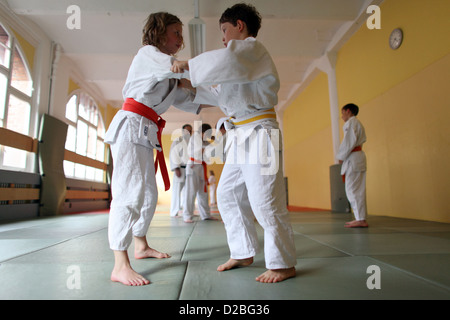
x=150 y=89
x=354 y=164
x=196 y=176
x=178 y=160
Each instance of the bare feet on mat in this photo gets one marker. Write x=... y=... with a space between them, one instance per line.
x=142 y=250
x=150 y=253
x=233 y=263
x=356 y=224
x=128 y=277
x=276 y=275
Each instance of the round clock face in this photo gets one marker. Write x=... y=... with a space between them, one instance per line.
x=396 y=38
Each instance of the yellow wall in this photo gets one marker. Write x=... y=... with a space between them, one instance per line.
x=408 y=147
x=308 y=150
x=28 y=49
x=367 y=67
x=405 y=106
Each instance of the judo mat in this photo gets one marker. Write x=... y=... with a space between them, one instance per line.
x=68 y=257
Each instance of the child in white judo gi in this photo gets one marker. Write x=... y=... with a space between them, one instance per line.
x=150 y=89
x=178 y=159
x=247 y=86
x=353 y=160
x=196 y=177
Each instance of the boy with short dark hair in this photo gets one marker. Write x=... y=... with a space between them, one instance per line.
x=353 y=160
x=247 y=93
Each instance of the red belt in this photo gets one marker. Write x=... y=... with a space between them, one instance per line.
x=205 y=171
x=358 y=148
x=141 y=109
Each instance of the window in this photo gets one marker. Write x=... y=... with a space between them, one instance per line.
x=16 y=88
x=85 y=136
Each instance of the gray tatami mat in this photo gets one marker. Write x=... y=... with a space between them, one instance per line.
x=39 y=259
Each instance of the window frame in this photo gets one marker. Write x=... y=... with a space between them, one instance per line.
x=81 y=98
x=15 y=47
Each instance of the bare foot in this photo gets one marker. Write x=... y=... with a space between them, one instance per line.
x=150 y=253
x=211 y=218
x=189 y=221
x=233 y=263
x=356 y=224
x=276 y=275
x=142 y=250
x=128 y=277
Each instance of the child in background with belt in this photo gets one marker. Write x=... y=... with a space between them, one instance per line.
x=150 y=90
x=196 y=176
x=354 y=166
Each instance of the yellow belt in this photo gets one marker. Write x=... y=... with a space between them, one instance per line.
x=256 y=118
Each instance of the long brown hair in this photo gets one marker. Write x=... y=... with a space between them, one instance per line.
x=154 y=31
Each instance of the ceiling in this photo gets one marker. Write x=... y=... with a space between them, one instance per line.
x=295 y=32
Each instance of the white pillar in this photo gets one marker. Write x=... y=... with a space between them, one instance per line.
x=328 y=65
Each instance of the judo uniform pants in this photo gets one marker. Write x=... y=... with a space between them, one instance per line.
x=355 y=188
x=177 y=193
x=212 y=194
x=244 y=193
x=194 y=187
x=134 y=193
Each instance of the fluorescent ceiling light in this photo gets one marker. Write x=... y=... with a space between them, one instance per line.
x=197 y=33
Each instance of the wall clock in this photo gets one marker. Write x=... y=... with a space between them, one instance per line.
x=396 y=38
